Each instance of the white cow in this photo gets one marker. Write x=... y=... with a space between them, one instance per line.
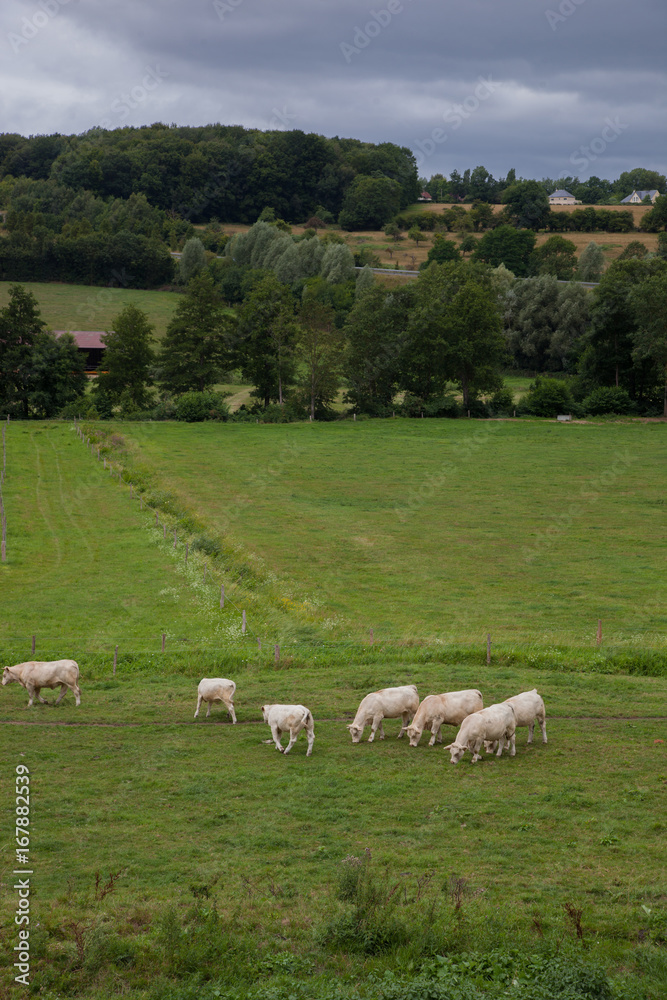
x=289 y=719
x=497 y=722
x=216 y=689
x=528 y=706
x=388 y=703
x=37 y=674
x=436 y=710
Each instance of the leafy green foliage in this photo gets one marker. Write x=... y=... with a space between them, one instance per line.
x=591 y=263
x=370 y=202
x=558 y=257
x=527 y=204
x=509 y=246
x=547 y=398
x=607 y=399
x=193 y=259
x=197 y=406
x=196 y=350
x=545 y=323
x=128 y=358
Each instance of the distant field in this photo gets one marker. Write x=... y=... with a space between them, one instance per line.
x=439 y=529
x=89 y=307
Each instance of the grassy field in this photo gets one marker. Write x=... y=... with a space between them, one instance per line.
x=88 y=307
x=437 y=530
x=242 y=850
x=175 y=859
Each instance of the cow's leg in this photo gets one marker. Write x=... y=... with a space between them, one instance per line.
x=501 y=744
x=63 y=691
x=293 y=733
x=277 y=733
x=406 y=719
x=531 y=727
x=476 y=746
x=230 y=709
x=310 y=733
x=512 y=744
x=543 y=727
x=199 y=701
x=208 y=709
x=35 y=691
x=31 y=691
x=77 y=694
x=435 y=732
x=375 y=725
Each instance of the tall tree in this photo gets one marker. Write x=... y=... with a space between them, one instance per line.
x=193 y=259
x=557 y=256
x=319 y=348
x=649 y=304
x=197 y=349
x=375 y=331
x=544 y=322
x=591 y=263
x=509 y=246
x=58 y=375
x=20 y=325
x=265 y=348
x=528 y=204
x=128 y=358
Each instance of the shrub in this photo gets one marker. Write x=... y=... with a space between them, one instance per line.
x=502 y=402
x=197 y=406
x=608 y=399
x=548 y=398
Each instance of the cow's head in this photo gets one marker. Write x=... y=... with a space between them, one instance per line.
x=456 y=751
x=8 y=676
x=265 y=712
x=356 y=732
x=414 y=734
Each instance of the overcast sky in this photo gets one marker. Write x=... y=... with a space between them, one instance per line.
x=549 y=87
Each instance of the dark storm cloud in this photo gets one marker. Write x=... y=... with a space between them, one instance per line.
x=573 y=86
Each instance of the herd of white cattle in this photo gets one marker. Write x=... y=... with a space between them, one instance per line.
x=494 y=727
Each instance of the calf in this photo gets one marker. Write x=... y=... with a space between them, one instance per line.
x=292 y=719
x=436 y=710
x=388 y=703
x=528 y=706
x=216 y=689
x=37 y=674
x=497 y=722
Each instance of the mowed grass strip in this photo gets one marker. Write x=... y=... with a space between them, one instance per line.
x=440 y=529
x=84 y=563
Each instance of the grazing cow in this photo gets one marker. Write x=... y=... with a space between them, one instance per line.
x=388 y=703
x=37 y=674
x=216 y=689
x=289 y=719
x=436 y=710
x=497 y=722
x=528 y=706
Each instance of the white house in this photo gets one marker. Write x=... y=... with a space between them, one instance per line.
x=562 y=197
x=637 y=197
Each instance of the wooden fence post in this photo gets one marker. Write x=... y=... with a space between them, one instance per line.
x=371 y=636
x=599 y=631
x=141 y=502
x=157 y=523
x=222 y=595
x=259 y=645
x=33 y=645
x=174 y=537
x=164 y=532
x=243 y=622
x=163 y=641
x=115 y=660
x=276 y=653
x=488 y=647
x=105 y=464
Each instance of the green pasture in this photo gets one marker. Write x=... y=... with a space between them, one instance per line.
x=203 y=822
x=86 y=566
x=437 y=530
x=89 y=307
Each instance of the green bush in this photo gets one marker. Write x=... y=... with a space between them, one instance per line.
x=501 y=403
x=197 y=406
x=548 y=398
x=608 y=399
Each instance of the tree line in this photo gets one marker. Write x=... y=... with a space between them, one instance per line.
x=293 y=321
